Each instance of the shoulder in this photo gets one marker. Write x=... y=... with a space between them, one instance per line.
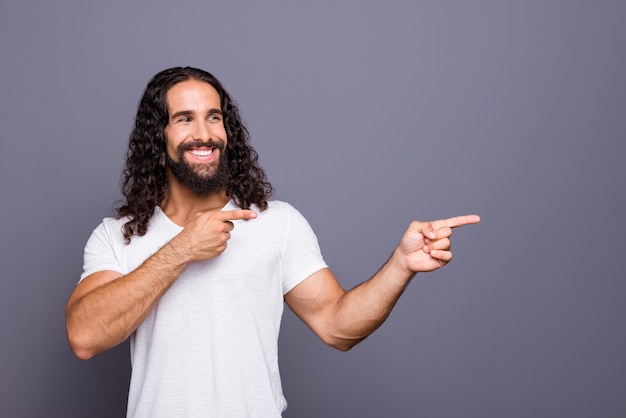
x=278 y=214
x=279 y=205
x=111 y=223
x=286 y=216
x=278 y=209
x=112 y=228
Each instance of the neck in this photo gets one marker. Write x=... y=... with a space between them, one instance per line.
x=181 y=205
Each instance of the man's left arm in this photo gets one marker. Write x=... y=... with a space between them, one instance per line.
x=343 y=319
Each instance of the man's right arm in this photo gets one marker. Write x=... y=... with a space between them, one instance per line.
x=106 y=307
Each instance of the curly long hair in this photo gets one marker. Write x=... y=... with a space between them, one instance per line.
x=144 y=183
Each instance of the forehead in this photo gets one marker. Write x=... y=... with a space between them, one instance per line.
x=192 y=95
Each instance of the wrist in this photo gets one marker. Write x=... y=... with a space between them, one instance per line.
x=174 y=254
x=398 y=267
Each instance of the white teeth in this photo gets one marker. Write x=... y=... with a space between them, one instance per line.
x=202 y=153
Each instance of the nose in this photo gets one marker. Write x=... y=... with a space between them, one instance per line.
x=201 y=131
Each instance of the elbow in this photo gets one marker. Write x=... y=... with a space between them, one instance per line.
x=86 y=343
x=82 y=354
x=79 y=345
x=339 y=339
x=342 y=347
x=341 y=344
x=81 y=341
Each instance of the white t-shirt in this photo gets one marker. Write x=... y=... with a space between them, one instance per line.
x=209 y=348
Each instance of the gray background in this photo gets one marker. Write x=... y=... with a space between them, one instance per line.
x=366 y=114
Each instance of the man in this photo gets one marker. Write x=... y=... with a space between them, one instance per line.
x=199 y=262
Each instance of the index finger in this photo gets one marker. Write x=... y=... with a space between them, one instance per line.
x=232 y=215
x=456 y=221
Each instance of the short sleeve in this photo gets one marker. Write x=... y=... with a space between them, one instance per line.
x=99 y=252
x=302 y=252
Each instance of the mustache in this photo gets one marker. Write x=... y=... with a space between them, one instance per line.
x=199 y=144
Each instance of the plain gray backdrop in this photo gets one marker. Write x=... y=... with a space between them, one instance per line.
x=366 y=115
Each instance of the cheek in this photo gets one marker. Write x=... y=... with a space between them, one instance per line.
x=172 y=152
x=222 y=135
x=171 y=143
x=221 y=131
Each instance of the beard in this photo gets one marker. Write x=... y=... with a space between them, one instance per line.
x=201 y=179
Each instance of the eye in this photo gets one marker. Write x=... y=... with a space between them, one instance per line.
x=214 y=118
x=182 y=119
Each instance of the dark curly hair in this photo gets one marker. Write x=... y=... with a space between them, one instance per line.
x=144 y=183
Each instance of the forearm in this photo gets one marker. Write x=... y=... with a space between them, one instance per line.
x=363 y=309
x=106 y=315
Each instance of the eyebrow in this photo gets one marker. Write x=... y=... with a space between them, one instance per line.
x=190 y=113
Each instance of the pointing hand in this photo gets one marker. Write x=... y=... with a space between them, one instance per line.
x=425 y=246
x=207 y=234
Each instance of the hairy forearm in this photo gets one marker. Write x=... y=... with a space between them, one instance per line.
x=360 y=311
x=105 y=316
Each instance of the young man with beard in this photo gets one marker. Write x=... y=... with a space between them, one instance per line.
x=199 y=262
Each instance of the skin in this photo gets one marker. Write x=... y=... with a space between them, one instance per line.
x=107 y=307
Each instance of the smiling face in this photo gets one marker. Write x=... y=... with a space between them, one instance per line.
x=196 y=137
